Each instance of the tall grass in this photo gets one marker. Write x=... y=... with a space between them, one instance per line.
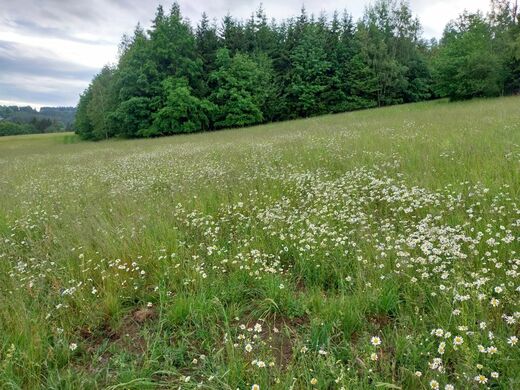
x=273 y=255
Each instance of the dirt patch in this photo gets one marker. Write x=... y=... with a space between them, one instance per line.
x=126 y=337
x=278 y=332
x=380 y=320
x=300 y=286
x=142 y=315
x=129 y=338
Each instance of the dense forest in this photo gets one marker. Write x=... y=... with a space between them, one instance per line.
x=174 y=78
x=16 y=120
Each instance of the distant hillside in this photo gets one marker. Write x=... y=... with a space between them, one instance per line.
x=16 y=120
x=63 y=115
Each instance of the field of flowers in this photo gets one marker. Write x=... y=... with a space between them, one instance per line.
x=376 y=249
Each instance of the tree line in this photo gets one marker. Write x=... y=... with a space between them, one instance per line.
x=173 y=78
x=16 y=120
x=33 y=126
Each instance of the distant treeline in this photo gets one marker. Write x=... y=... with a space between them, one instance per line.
x=16 y=120
x=176 y=79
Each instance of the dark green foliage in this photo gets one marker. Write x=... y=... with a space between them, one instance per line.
x=174 y=79
x=13 y=128
x=96 y=106
x=83 y=124
x=339 y=50
x=309 y=75
x=16 y=120
x=466 y=65
x=232 y=34
x=62 y=115
x=390 y=49
x=132 y=118
x=182 y=112
x=208 y=43
x=504 y=20
x=102 y=103
x=239 y=90
x=34 y=126
x=136 y=74
x=172 y=49
x=480 y=56
x=419 y=85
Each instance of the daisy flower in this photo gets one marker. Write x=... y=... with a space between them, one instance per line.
x=375 y=341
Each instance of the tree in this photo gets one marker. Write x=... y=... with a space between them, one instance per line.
x=96 y=106
x=238 y=91
x=173 y=49
x=466 y=65
x=505 y=26
x=340 y=50
x=208 y=43
x=135 y=74
x=309 y=74
x=132 y=118
x=232 y=34
x=102 y=103
x=182 y=113
x=13 y=128
x=174 y=79
x=83 y=124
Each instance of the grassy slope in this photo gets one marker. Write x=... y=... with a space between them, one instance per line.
x=150 y=255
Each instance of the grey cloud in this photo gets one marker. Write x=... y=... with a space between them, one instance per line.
x=53 y=97
x=95 y=27
x=15 y=58
x=55 y=32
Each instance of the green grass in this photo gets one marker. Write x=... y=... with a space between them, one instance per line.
x=157 y=258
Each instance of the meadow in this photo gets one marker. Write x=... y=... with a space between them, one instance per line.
x=373 y=249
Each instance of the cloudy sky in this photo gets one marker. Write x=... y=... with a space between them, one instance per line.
x=50 y=49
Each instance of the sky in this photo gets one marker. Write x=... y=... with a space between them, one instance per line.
x=51 y=49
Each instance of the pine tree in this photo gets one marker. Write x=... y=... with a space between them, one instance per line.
x=308 y=76
x=208 y=44
x=232 y=34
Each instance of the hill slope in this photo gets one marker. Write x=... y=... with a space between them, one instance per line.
x=326 y=249
x=63 y=115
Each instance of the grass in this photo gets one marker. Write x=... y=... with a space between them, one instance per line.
x=194 y=261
